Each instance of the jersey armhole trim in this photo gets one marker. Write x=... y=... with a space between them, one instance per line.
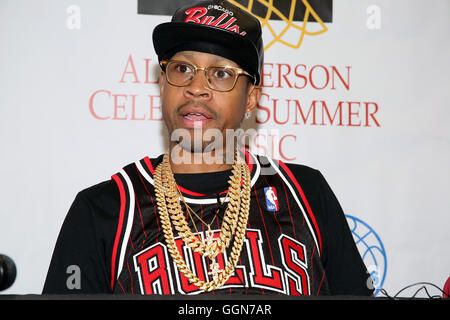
x=316 y=231
x=119 y=226
x=126 y=214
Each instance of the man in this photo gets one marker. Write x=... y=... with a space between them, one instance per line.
x=208 y=216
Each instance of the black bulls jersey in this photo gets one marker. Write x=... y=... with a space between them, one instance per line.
x=297 y=241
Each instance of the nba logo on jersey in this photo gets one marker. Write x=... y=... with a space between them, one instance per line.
x=271 y=199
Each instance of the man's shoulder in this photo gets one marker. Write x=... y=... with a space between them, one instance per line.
x=297 y=171
x=102 y=192
x=304 y=177
x=302 y=170
x=148 y=163
x=108 y=189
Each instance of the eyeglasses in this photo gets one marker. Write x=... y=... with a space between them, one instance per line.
x=219 y=78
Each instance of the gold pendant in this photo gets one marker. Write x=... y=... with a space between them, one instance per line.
x=214 y=266
x=215 y=270
x=209 y=243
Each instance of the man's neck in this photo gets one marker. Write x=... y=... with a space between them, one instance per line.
x=200 y=162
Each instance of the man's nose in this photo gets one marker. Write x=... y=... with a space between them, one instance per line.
x=198 y=88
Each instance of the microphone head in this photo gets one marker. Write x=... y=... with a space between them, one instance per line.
x=7 y=272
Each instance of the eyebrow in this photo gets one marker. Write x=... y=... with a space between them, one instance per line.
x=215 y=58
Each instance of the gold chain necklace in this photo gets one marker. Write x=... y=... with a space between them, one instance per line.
x=192 y=212
x=234 y=223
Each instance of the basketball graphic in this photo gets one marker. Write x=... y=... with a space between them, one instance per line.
x=295 y=15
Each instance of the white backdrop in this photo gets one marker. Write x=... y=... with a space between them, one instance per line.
x=75 y=77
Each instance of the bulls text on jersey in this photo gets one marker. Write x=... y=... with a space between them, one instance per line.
x=155 y=275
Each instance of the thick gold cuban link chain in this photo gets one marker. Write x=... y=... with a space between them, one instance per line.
x=234 y=222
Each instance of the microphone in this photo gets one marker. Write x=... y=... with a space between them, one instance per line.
x=7 y=272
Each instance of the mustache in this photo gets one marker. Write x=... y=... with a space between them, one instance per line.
x=202 y=105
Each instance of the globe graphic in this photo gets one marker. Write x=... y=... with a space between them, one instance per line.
x=371 y=250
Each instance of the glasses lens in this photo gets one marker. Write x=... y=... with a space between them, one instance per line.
x=179 y=73
x=222 y=78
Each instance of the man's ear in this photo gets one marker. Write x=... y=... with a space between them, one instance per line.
x=253 y=96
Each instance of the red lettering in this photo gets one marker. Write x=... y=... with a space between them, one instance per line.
x=327 y=78
x=262 y=146
x=227 y=24
x=153 y=107
x=260 y=107
x=130 y=64
x=305 y=118
x=194 y=14
x=119 y=107
x=186 y=286
x=335 y=71
x=300 y=76
x=305 y=80
x=268 y=75
x=153 y=271
x=283 y=75
x=262 y=275
x=235 y=28
x=294 y=260
x=207 y=20
x=91 y=104
x=133 y=108
x=280 y=147
x=219 y=20
x=331 y=120
x=147 y=73
x=275 y=113
x=350 y=114
x=371 y=114
x=345 y=113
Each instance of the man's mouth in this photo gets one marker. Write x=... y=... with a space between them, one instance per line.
x=195 y=116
